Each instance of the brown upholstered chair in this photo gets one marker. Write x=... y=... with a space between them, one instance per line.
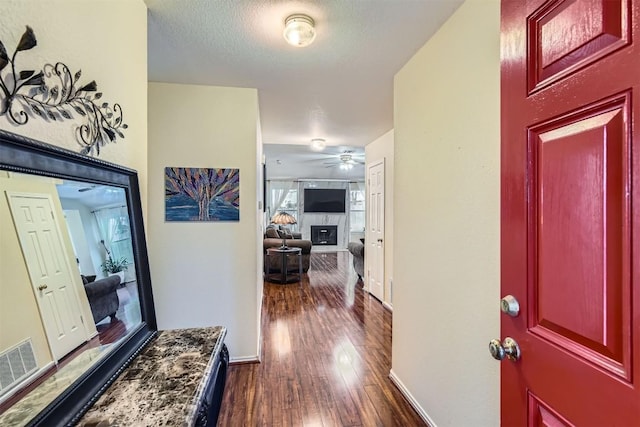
x=273 y=239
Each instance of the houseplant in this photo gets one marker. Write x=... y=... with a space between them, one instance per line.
x=111 y=266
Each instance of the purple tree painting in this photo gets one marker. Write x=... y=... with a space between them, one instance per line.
x=202 y=194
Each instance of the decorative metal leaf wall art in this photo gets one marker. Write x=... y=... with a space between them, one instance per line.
x=54 y=94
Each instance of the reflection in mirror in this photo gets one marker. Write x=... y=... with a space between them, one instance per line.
x=68 y=293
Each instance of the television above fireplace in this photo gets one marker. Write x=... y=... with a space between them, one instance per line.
x=325 y=200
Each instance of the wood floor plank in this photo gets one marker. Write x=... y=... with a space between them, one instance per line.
x=326 y=357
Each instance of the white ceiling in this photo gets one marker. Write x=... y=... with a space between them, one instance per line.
x=299 y=161
x=339 y=88
x=93 y=196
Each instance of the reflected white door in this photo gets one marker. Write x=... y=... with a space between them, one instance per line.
x=46 y=259
x=375 y=240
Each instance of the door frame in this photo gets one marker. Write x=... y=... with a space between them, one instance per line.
x=368 y=234
x=73 y=282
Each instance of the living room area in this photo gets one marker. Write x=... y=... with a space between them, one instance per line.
x=322 y=189
x=327 y=353
x=318 y=193
x=315 y=196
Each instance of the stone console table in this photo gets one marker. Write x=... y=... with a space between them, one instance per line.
x=176 y=380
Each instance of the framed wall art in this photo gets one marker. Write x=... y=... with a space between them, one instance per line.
x=202 y=194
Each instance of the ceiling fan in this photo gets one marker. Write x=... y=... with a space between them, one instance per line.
x=345 y=160
x=83 y=189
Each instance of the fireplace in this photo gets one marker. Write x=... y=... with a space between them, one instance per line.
x=324 y=234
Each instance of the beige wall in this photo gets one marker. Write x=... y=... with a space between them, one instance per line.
x=106 y=39
x=382 y=149
x=447 y=217
x=206 y=273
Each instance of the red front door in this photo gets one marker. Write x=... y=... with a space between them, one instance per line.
x=570 y=236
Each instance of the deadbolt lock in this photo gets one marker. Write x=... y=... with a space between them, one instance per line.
x=509 y=305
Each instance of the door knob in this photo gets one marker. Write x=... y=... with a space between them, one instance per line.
x=508 y=348
x=42 y=287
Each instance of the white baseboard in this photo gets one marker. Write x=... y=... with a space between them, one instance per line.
x=244 y=359
x=387 y=306
x=412 y=401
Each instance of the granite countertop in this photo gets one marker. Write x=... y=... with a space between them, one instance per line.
x=164 y=383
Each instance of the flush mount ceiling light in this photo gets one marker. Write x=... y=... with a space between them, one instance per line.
x=299 y=30
x=318 y=144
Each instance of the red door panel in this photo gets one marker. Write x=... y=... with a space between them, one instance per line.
x=580 y=298
x=567 y=35
x=540 y=415
x=570 y=77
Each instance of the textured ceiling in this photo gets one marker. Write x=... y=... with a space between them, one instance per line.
x=340 y=88
x=298 y=161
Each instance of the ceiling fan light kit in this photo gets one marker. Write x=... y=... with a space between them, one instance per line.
x=346 y=157
x=299 y=30
x=345 y=161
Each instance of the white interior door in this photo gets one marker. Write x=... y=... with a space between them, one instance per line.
x=375 y=240
x=46 y=260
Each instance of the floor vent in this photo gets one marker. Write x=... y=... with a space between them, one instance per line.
x=16 y=364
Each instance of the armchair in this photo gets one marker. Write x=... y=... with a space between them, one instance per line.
x=273 y=239
x=103 y=297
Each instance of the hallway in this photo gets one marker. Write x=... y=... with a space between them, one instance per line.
x=326 y=356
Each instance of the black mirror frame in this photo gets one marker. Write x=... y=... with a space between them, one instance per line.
x=25 y=155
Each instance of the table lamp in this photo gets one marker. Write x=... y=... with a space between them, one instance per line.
x=283 y=218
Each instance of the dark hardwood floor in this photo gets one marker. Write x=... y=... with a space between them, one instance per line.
x=326 y=356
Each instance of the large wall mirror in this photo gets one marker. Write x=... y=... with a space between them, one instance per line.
x=75 y=289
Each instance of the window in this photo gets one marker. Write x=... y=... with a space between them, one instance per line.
x=357 y=207
x=115 y=232
x=289 y=204
x=282 y=197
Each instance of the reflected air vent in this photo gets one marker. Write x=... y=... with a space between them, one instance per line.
x=16 y=364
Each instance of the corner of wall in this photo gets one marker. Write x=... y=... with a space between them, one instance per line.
x=206 y=274
x=447 y=218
